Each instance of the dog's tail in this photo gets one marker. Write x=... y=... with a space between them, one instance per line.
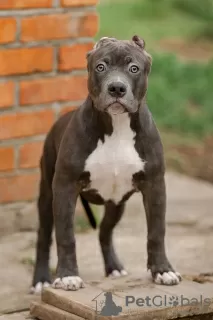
x=89 y=212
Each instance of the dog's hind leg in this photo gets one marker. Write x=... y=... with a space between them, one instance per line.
x=41 y=276
x=113 y=214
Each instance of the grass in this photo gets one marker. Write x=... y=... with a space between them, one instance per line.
x=180 y=95
x=122 y=19
x=202 y=10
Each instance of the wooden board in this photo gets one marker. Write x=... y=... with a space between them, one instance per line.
x=147 y=301
x=47 y=312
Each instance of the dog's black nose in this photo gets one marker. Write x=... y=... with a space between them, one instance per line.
x=117 y=89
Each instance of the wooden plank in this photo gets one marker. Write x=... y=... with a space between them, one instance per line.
x=72 y=302
x=88 y=302
x=82 y=302
x=44 y=311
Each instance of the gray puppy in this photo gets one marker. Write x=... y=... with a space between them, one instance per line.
x=104 y=151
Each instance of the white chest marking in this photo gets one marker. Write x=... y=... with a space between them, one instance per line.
x=113 y=163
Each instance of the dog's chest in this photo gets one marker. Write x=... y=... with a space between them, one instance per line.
x=112 y=164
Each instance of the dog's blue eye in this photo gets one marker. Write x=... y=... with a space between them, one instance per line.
x=100 y=67
x=134 y=69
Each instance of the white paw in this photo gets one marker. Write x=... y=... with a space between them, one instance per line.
x=118 y=274
x=68 y=283
x=168 y=278
x=39 y=287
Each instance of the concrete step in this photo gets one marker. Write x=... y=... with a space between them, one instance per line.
x=16 y=316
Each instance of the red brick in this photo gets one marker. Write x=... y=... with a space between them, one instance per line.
x=67 y=109
x=74 y=57
x=58 y=26
x=30 y=154
x=53 y=89
x=7 y=30
x=89 y=25
x=7 y=93
x=25 y=124
x=19 y=188
x=78 y=3
x=24 y=4
x=25 y=60
x=6 y=159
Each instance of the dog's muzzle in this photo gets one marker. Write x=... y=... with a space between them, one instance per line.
x=117 y=89
x=116 y=108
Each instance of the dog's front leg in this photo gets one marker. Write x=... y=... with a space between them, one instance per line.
x=65 y=193
x=154 y=196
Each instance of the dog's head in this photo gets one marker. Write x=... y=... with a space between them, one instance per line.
x=108 y=295
x=118 y=72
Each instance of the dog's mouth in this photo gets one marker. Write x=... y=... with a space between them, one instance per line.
x=116 y=108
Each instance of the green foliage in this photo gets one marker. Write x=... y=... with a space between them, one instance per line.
x=206 y=32
x=180 y=95
x=202 y=9
x=149 y=9
x=122 y=19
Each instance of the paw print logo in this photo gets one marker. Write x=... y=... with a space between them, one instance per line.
x=173 y=301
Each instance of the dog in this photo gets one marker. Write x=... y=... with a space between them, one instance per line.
x=110 y=308
x=106 y=150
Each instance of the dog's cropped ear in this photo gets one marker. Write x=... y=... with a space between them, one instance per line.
x=141 y=44
x=102 y=42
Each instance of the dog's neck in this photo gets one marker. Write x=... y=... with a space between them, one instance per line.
x=102 y=122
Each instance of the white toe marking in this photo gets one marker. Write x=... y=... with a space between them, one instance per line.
x=46 y=285
x=118 y=274
x=68 y=283
x=115 y=274
x=168 y=278
x=39 y=287
x=172 y=275
x=124 y=273
x=179 y=276
x=158 y=278
x=57 y=284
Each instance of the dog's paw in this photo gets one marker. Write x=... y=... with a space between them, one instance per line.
x=168 y=278
x=118 y=274
x=68 y=283
x=37 y=289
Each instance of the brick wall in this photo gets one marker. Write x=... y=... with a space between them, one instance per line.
x=43 y=44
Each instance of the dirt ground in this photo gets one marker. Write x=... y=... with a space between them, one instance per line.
x=195 y=159
x=201 y=51
x=189 y=242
